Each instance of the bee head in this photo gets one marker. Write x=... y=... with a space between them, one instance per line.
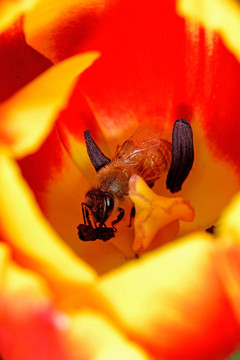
x=100 y=204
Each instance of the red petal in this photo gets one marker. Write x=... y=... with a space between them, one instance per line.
x=19 y=62
x=154 y=66
x=41 y=166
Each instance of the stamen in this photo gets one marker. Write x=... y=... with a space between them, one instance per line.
x=96 y=156
x=182 y=155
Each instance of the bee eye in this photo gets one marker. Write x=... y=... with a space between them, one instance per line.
x=109 y=203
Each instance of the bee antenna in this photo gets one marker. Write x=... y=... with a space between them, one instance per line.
x=98 y=159
x=182 y=155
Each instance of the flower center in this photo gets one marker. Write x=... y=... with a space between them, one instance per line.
x=139 y=162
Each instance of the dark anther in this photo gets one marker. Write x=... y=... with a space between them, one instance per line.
x=182 y=155
x=96 y=156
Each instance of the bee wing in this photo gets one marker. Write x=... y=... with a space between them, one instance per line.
x=145 y=154
x=142 y=139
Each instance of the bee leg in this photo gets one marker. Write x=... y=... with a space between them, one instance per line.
x=119 y=218
x=132 y=215
x=86 y=215
x=182 y=155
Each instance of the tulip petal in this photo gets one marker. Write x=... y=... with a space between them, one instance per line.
x=28 y=116
x=229 y=223
x=173 y=302
x=172 y=69
x=11 y=11
x=104 y=341
x=216 y=15
x=25 y=313
x=154 y=212
x=50 y=15
x=71 y=124
x=16 y=281
x=30 y=327
x=192 y=84
x=20 y=63
x=228 y=260
x=35 y=242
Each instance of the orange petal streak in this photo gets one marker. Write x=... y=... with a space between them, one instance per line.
x=216 y=15
x=32 y=328
x=12 y=10
x=67 y=15
x=28 y=116
x=26 y=313
x=34 y=242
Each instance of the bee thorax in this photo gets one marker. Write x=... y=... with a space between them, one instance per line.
x=115 y=181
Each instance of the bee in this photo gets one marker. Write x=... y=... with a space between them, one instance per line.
x=145 y=154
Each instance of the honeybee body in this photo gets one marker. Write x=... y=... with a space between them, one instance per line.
x=148 y=158
x=114 y=179
x=144 y=154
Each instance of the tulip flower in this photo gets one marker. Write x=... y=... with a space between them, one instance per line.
x=164 y=288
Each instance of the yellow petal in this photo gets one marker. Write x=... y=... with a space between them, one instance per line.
x=48 y=15
x=229 y=225
x=31 y=237
x=26 y=305
x=228 y=260
x=16 y=281
x=222 y=16
x=171 y=301
x=28 y=116
x=154 y=212
x=130 y=288
x=29 y=322
x=228 y=265
x=101 y=339
x=10 y=11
